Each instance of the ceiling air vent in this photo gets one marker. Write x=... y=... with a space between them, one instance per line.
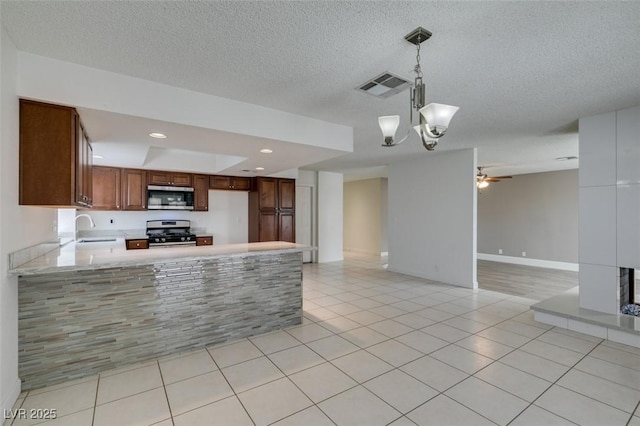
x=385 y=85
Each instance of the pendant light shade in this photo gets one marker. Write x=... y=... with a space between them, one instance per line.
x=389 y=125
x=438 y=117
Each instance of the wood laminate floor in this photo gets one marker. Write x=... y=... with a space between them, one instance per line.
x=526 y=281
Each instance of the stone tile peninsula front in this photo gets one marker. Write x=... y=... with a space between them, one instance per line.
x=76 y=322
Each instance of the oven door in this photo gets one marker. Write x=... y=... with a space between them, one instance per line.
x=169 y=198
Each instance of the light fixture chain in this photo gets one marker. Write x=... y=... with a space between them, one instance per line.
x=418 y=68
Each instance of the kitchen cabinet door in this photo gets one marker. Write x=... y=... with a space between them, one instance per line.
x=286 y=194
x=287 y=226
x=106 y=188
x=232 y=183
x=272 y=212
x=201 y=193
x=267 y=193
x=160 y=177
x=134 y=189
x=268 y=226
x=241 y=183
x=54 y=162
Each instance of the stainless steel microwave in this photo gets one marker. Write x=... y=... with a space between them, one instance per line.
x=169 y=198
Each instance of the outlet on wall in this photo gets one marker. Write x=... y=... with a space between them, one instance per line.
x=524 y=254
x=110 y=220
x=499 y=251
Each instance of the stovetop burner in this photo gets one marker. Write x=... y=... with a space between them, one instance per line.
x=170 y=232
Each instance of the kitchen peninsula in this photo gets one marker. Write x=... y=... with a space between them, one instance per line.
x=87 y=308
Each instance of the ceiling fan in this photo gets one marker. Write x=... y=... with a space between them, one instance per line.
x=482 y=180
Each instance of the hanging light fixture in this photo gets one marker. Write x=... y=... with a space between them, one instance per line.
x=434 y=118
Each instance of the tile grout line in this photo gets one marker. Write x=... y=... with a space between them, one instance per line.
x=164 y=388
x=235 y=394
x=556 y=383
x=95 y=402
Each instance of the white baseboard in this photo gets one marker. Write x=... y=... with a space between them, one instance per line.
x=11 y=398
x=365 y=252
x=565 y=266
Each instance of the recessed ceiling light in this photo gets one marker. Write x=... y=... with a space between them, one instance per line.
x=266 y=151
x=158 y=135
x=572 y=157
x=259 y=168
x=97 y=156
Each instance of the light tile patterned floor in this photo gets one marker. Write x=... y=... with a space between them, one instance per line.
x=375 y=348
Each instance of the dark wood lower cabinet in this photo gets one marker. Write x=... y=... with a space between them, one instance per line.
x=287 y=226
x=137 y=244
x=274 y=226
x=205 y=240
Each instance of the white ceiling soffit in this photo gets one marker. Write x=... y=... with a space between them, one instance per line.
x=124 y=141
x=182 y=159
x=522 y=72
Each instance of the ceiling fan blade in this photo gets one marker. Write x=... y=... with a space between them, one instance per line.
x=492 y=179
x=502 y=177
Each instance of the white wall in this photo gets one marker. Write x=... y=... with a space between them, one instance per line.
x=330 y=190
x=533 y=213
x=226 y=220
x=363 y=216
x=309 y=178
x=20 y=227
x=432 y=217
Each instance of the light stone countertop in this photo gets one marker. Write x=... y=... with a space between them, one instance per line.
x=75 y=256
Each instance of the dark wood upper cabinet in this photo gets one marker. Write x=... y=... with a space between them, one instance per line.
x=272 y=215
x=157 y=177
x=55 y=156
x=232 y=183
x=267 y=193
x=134 y=189
x=107 y=189
x=201 y=193
x=287 y=194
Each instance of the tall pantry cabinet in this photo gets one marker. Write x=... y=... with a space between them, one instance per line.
x=272 y=214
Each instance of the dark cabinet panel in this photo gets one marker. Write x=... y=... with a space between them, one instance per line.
x=136 y=244
x=272 y=210
x=268 y=226
x=106 y=188
x=54 y=158
x=204 y=240
x=134 y=189
x=287 y=194
x=159 y=177
x=287 y=226
x=241 y=183
x=201 y=193
x=268 y=193
x=233 y=183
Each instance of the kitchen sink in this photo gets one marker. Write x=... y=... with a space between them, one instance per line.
x=97 y=240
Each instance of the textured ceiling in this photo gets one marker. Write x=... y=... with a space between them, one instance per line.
x=521 y=72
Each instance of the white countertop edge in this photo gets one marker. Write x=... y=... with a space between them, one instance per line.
x=97 y=256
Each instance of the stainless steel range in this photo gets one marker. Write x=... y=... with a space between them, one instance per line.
x=170 y=232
